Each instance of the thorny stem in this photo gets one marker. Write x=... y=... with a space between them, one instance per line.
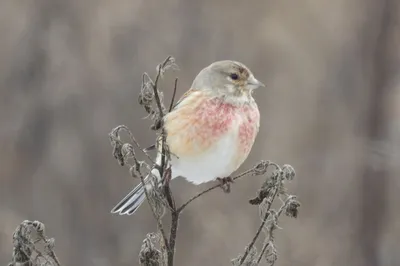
x=269 y=204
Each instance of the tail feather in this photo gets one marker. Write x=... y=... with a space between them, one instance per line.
x=131 y=202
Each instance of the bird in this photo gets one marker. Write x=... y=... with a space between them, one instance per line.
x=210 y=130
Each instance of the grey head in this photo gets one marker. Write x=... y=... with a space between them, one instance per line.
x=227 y=77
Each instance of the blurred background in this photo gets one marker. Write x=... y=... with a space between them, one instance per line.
x=70 y=71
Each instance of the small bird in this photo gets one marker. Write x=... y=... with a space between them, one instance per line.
x=210 y=131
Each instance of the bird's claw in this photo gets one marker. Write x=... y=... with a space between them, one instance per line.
x=225 y=183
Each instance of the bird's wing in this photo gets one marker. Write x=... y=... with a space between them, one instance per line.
x=183 y=97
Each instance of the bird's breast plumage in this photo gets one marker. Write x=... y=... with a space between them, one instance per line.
x=203 y=131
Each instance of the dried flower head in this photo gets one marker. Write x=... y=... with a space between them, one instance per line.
x=267 y=188
x=288 y=172
x=25 y=238
x=169 y=63
x=146 y=96
x=292 y=208
x=250 y=260
x=271 y=256
x=117 y=153
x=261 y=168
x=149 y=255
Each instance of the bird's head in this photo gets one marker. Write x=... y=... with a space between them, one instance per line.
x=227 y=78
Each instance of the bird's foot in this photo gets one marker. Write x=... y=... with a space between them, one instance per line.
x=225 y=183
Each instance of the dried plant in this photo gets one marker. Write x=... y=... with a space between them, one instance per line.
x=159 y=248
x=32 y=247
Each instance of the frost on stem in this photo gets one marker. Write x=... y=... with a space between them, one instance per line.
x=151 y=97
x=272 y=188
x=251 y=259
x=149 y=255
x=32 y=247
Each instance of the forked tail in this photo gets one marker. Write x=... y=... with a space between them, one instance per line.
x=131 y=202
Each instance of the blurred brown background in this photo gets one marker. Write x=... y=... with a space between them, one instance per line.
x=70 y=71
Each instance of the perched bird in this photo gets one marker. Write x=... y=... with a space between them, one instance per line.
x=210 y=131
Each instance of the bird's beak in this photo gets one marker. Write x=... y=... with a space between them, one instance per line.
x=254 y=83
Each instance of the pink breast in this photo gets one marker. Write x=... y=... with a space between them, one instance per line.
x=215 y=117
x=218 y=117
x=196 y=126
x=249 y=127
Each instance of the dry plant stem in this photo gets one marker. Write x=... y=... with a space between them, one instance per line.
x=173 y=231
x=172 y=236
x=24 y=245
x=159 y=223
x=126 y=129
x=40 y=254
x=212 y=188
x=278 y=214
x=165 y=172
x=264 y=248
x=173 y=95
x=160 y=109
x=176 y=212
x=52 y=254
x=168 y=194
x=270 y=237
x=253 y=241
x=155 y=85
x=174 y=218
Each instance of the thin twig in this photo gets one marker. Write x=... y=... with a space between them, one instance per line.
x=253 y=241
x=24 y=245
x=159 y=223
x=51 y=252
x=151 y=93
x=264 y=248
x=212 y=188
x=270 y=233
x=161 y=111
x=173 y=95
x=155 y=85
x=168 y=194
x=126 y=129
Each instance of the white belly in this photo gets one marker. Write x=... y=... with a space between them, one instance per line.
x=217 y=162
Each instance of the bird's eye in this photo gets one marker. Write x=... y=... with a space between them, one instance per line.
x=234 y=76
